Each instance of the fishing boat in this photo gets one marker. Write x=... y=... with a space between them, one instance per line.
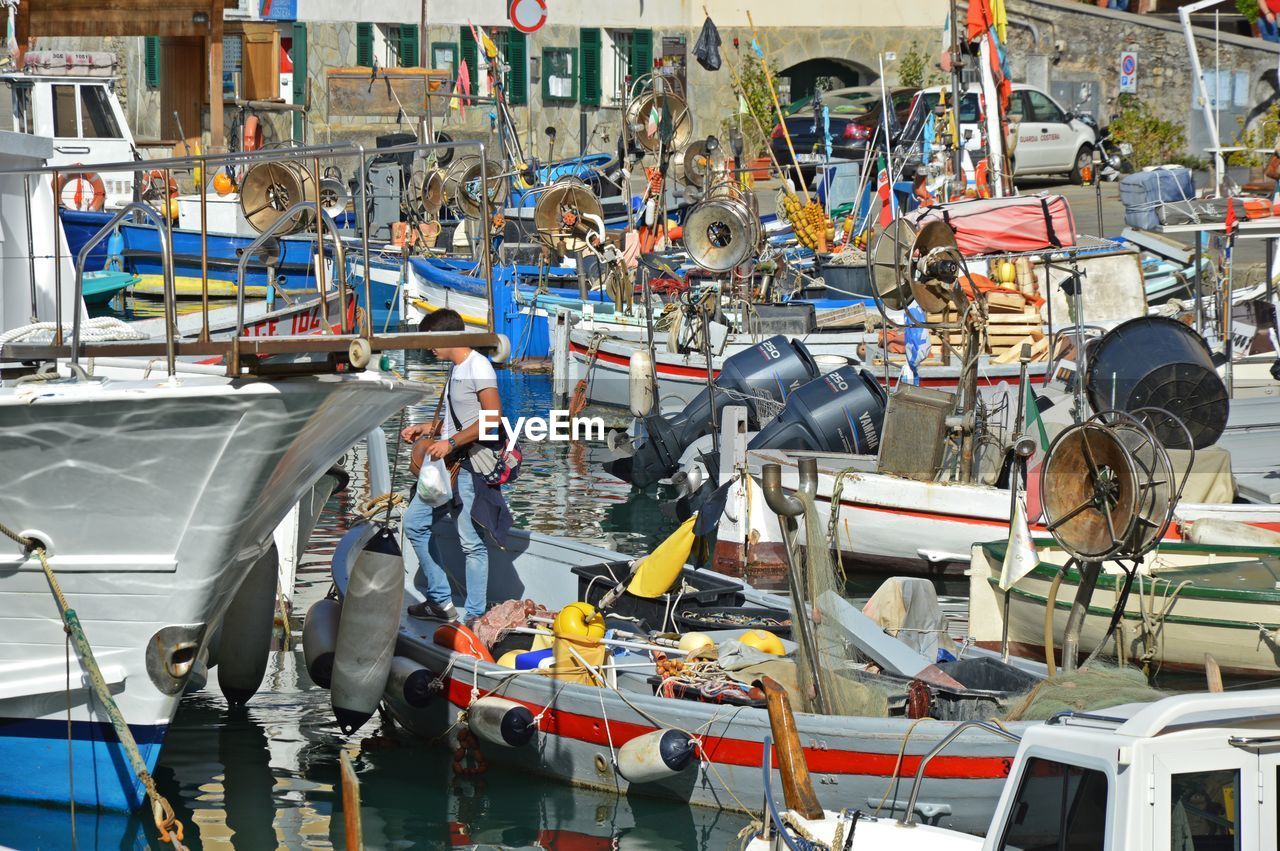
x=1186 y=600
x=581 y=729
x=218 y=459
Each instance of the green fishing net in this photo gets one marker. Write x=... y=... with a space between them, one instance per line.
x=1086 y=690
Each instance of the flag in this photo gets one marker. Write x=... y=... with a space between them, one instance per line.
x=1033 y=425
x=1020 y=556
x=915 y=340
x=886 y=195
x=757 y=49
x=462 y=87
x=486 y=44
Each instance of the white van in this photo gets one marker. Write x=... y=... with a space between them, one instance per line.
x=69 y=97
x=1051 y=140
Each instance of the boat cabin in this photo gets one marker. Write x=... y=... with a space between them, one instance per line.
x=70 y=97
x=1195 y=772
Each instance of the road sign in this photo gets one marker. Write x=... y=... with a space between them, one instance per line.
x=528 y=16
x=1128 y=71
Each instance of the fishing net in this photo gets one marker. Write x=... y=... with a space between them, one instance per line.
x=820 y=666
x=1088 y=689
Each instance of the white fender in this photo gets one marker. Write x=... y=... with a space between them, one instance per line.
x=319 y=639
x=642 y=383
x=244 y=644
x=367 y=630
x=656 y=756
x=501 y=721
x=410 y=682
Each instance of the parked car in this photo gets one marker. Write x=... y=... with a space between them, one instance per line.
x=1050 y=140
x=856 y=114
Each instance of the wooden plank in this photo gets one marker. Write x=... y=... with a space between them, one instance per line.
x=217 y=113
x=102 y=18
x=260 y=75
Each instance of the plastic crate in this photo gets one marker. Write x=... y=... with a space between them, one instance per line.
x=596 y=580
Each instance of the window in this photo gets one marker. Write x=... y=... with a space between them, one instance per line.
x=151 y=61
x=589 y=66
x=1205 y=810
x=387 y=45
x=1040 y=108
x=444 y=56
x=968 y=106
x=96 y=118
x=64 y=112
x=1059 y=807
x=559 y=74
x=1017 y=107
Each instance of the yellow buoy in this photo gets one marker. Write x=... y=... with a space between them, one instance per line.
x=765 y=642
x=580 y=620
x=692 y=642
x=508 y=659
x=659 y=570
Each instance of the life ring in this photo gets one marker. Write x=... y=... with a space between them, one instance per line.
x=251 y=134
x=155 y=182
x=461 y=640
x=82 y=190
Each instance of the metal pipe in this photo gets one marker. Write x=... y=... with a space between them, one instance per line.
x=31 y=249
x=1202 y=89
x=1089 y=572
x=778 y=500
x=55 y=235
x=204 y=256
x=486 y=258
x=950 y=737
x=170 y=285
x=364 y=243
x=320 y=272
x=166 y=255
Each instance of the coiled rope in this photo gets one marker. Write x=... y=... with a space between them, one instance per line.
x=167 y=824
x=100 y=329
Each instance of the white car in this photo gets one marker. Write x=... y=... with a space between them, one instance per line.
x=1050 y=140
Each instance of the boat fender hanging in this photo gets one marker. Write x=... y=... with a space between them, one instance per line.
x=501 y=721
x=247 y=627
x=642 y=382
x=319 y=639
x=251 y=134
x=410 y=682
x=367 y=630
x=82 y=190
x=461 y=640
x=650 y=212
x=656 y=756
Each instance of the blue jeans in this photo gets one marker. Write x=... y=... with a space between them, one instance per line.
x=418 y=520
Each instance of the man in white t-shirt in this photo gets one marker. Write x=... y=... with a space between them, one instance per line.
x=471 y=387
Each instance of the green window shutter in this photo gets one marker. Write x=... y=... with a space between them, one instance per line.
x=589 y=44
x=299 y=57
x=151 y=60
x=517 y=51
x=364 y=45
x=470 y=55
x=408 y=47
x=640 y=55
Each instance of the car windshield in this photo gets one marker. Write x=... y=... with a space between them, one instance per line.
x=968 y=106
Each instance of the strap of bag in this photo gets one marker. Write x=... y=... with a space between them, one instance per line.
x=1048 y=224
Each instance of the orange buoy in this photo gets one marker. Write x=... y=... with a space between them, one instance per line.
x=461 y=640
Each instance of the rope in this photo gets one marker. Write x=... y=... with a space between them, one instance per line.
x=579 y=400
x=100 y=329
x=894 y=777
x=168 y=825
x=371 y=507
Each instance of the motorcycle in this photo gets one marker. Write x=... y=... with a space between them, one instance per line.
x=1114 y=155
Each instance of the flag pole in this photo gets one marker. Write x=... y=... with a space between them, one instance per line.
x=782 y=119
x=888 y=144
x=1016 y=472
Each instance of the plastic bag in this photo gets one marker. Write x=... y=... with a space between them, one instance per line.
x=707 y=49
x=435 y=487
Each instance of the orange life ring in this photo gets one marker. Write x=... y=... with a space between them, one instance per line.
x=155 y=182
x=82 y=190
x=251 y=134
x=461 y=640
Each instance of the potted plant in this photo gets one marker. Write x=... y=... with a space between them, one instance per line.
x=1248 y=10
x=753 y=94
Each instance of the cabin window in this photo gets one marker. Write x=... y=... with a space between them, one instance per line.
x=64 y=112
x=1058 y=807
x=96 y=118
x=1204 y=811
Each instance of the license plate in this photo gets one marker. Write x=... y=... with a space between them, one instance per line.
x=809 y=158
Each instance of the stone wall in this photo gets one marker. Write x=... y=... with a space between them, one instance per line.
x=1052 y=41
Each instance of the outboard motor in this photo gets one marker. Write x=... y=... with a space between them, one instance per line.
x=770 y=369
x=842 y=411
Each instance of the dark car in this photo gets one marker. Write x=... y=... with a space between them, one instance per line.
x=856 y=117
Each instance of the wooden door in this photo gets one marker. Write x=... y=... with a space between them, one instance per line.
x=183 y=88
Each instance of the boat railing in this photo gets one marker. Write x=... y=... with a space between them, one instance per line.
x=351 y=345
x=995 y=729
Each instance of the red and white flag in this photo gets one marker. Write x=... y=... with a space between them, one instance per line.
x=886 y=196
x=462 y=87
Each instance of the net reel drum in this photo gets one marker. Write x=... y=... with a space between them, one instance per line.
x=644 y=117
x=268 y=189
x=568 y=216
x=722 y=231
x=910 y=265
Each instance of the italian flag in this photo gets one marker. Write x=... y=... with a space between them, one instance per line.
x=886 y=195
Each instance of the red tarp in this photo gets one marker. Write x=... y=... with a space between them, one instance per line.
x=1000 y=225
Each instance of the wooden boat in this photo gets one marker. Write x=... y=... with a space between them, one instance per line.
x=1187 y=600
x=580 y=728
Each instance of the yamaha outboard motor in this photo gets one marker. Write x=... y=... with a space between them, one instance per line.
x=771 y=370
x=843 y=411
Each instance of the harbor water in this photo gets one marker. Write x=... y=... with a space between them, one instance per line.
x=267 y=775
